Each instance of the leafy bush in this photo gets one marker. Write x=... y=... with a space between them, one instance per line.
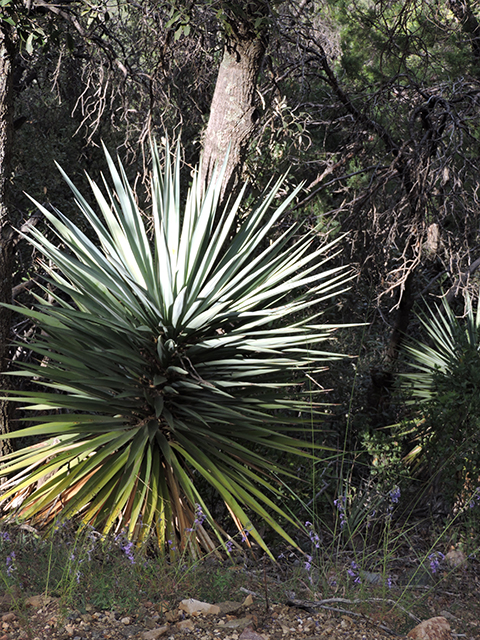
x=168 y=360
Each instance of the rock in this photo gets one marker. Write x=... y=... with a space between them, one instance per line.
x=153 y=634
x=185 y=625
x=371 y=578
x=346 y=622
x=162 y=606
x=150 y=622
x=126 y=620
x=248 y=634
x=447 y=615
x=37 y=602
x=192 y=607
x=171 y=616
x=456 y=558
x=229 y=606
x=433 y=629
x=248 y=601
x=238 y=623
x=127 y=632
x=8 y=617
x=418 y=576
x=309 y=626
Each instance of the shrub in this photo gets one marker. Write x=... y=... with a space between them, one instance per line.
x=168 y=359
x=444 y=384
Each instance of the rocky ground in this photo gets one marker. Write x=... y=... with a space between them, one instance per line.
x=264 y=607
x=42 y=618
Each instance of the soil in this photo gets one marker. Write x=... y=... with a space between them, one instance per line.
x=43 y=618
x=250 y=623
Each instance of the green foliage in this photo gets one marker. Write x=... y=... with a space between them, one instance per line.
x=385 y=451
x=383 y=40
x=168 y=361
x=229 y=15
x=32 y=31
x=445 y=385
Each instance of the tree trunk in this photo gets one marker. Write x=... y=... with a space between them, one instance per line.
x=7 y=56
x=233 y=112
x=402 y=319
x=462 y=11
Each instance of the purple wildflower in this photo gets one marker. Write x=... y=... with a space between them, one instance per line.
x=128 y=551
x=308 y=567
x=340 y=504
x=308 y=563
x=352 y=572
x=126 y=546
x=10 y=562
x=312 y=534
x=395 y=495
x=89 y=552
x=92 y=537
x=245 y=533
x=170 y=544
x=475 y=497
x=199 y=516
x=5 y=537
x=229 y=546
x=435 y=558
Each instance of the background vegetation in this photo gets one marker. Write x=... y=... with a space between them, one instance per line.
x=375 y=108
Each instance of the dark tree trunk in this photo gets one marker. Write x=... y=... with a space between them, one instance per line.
x=7 y=56
x=402 y=319
x=233 y=112
x=462 y=11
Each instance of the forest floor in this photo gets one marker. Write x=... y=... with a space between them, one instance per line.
x=271 y=613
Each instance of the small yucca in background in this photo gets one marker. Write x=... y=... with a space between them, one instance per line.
x=166 y=359
x=443 y=385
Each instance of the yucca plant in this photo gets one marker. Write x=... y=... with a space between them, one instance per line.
x=444 y=387
x=453 y=341
x=168 y=359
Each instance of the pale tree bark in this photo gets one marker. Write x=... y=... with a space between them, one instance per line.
x=233 y=110
x=7 y=56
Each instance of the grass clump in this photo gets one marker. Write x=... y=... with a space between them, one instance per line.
x=84 y=567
